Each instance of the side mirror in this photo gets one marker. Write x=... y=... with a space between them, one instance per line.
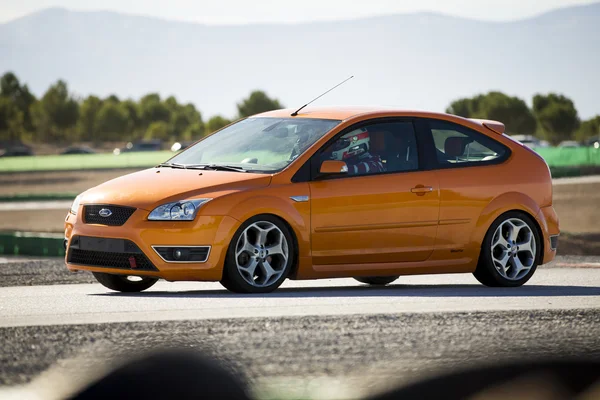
x=330 y=167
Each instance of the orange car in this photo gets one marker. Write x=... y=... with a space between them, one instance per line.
x=332 y=192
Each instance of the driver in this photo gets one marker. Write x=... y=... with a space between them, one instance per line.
x=353 y=148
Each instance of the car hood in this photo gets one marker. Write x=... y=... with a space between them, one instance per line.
x=149 y=188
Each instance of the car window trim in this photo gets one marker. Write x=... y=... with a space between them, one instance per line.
x=314 y=160
x=431 y=154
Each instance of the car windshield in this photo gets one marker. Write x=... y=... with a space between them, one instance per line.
x=257 y=144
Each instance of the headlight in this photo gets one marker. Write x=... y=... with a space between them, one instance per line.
x=184 y=210
x=75 y=205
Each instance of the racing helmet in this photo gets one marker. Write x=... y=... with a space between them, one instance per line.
x=351 y=145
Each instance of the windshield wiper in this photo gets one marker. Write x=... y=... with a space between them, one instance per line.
x=216 y=167
x=171 y=165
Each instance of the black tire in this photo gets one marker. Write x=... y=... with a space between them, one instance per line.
x=377 y=280
x=232 y=279
x=486 y=273
x=120 y=283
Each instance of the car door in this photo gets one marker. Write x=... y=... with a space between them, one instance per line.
x=373 y=216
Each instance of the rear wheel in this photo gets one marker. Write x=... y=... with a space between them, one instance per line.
x=377 y=280
x=509 y=252
x=124 y=283
x=259 y=257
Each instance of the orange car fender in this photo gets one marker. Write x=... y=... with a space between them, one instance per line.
x=296 y=215
x=499 y=205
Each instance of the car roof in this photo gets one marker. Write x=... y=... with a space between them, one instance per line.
x=346 y=112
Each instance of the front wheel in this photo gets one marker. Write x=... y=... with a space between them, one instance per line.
x=124 y=283
x=259 y=256
x=377 y=280
x=509 y=252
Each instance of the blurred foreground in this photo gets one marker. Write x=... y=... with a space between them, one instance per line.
x=491 y=355
x=187 y=375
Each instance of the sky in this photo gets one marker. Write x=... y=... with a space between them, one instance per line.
x=290 y=11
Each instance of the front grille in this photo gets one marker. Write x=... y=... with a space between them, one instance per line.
x=110 y=260
x=109 y=253
x=118 y=214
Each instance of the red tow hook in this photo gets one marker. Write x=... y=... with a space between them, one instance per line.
x=132 y=262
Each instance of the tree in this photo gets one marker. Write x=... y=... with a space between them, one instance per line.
x=11 y=121
x=557 y=117
x=11 y=89
x=152 y=109
x=134 y=124
x=194 y=132
x=112 y=122
x=88 y=118
x=466 y=108
x=511 y=111
x=215 y=123
x=589 y=129
x=257 y=102
x=181 y=118
x=113 y=98
x=56 y=114
x=157 y=130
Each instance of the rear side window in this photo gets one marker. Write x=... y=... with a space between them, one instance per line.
x=456 y=145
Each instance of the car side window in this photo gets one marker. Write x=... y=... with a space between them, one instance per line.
x=376 y=148
x=456 y=145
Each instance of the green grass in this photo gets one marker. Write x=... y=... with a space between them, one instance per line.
x=83 y=161
x=111 y=161
x=555 y=157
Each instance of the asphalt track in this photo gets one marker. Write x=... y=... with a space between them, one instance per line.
x=549 y=289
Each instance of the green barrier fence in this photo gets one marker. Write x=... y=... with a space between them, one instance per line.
x=568 y=157
x=32 y=244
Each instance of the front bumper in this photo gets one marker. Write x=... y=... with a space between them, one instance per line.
x=213 y=231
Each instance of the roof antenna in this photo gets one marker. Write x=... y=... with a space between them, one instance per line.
x=316 y=98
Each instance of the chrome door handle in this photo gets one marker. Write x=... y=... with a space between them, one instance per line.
x=421 y=190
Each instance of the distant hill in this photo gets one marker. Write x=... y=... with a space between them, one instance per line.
x=421 y=60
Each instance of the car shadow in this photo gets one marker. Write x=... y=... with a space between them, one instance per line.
x=387 y=291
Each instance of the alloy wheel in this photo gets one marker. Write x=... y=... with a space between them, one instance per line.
x=513 y=249
x=261 y=254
